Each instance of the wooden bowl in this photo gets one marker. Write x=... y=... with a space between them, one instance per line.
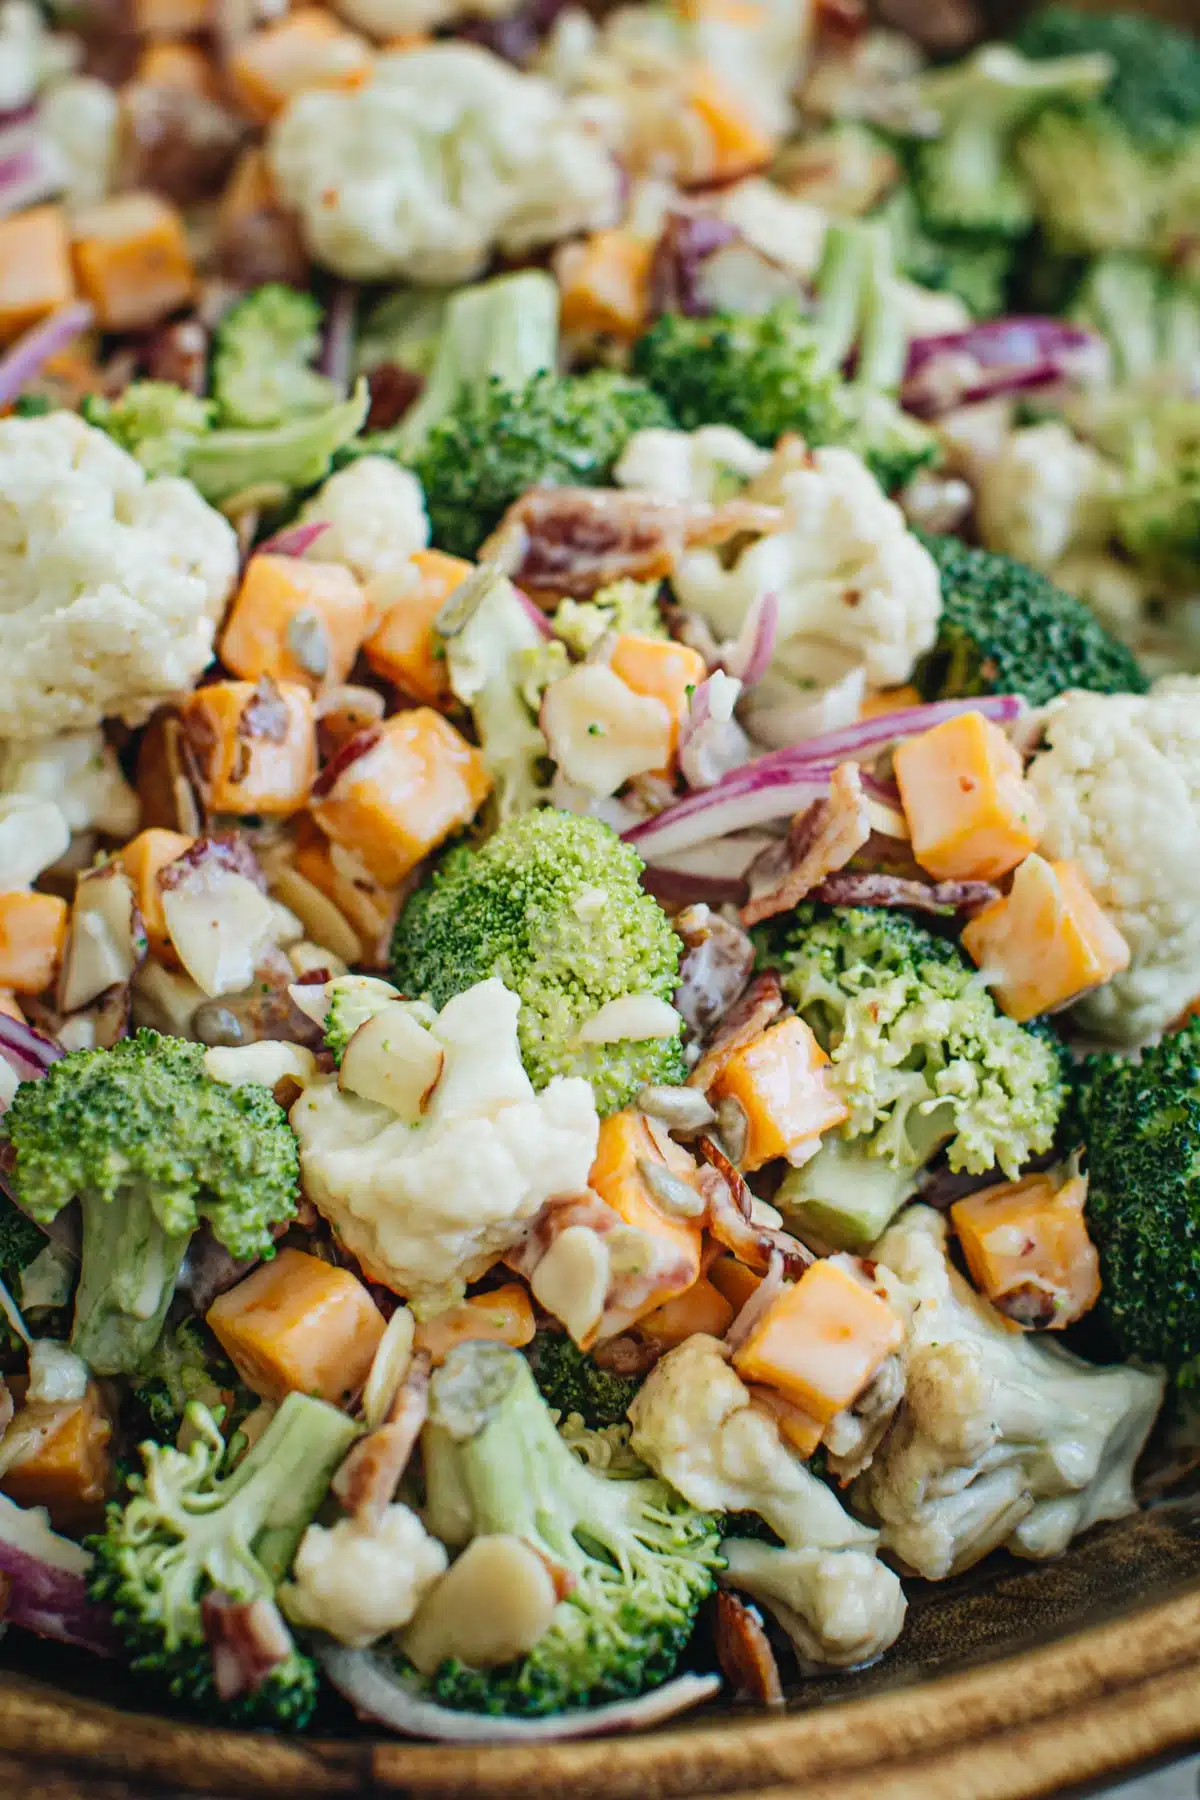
x=1013 y=1681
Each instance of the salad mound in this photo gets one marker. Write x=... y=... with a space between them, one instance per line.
x=599 y=838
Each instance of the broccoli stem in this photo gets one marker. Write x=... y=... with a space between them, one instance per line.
x=504 y=330
x=845 y=1198
x=882 y=338
x=839 y=293
x=272 y=1494
x=129 y=1269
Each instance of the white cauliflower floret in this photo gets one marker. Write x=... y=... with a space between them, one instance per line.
x=29 y=54
x=359 y=1581
x=427 y=1207
x=1002 y=1438
x=709 y=465
x=847 y=573
x=1119 y=789
x=695 y=1424
x=446 y=156
x=33 y=835
x=1045 y=493
x=375 y=516
x=80 y=117
x=409 y=18
x=111 y=585
x=80 y=774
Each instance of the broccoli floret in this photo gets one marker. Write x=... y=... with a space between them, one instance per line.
x=21 y=1243
x=188 y=1364
x=1151 y=320
x=572 y=1383
x=404 y=328
x=1158 y=515
x=171 y=432
x=964 y=177
x=641 y=1558
x=763 y=373
x=353 y=999
x=1102 y=169
x=920 y=1053
x=192 y=1526
x=975 y=269
x=261 y=355
x=621 y=606
x=1006 y=629
x=150 y=1145
x=552 y=905
x=1141 y=1126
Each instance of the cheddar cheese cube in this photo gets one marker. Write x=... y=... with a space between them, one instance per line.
x=703 y=1309
x=295 y=620
x=173 y=63
x=660 y=669
x=33 y=932
x=307 y=48
x=780 y=1083
x=254 y=743
x=503 y=1315
x=417 y=782
x=62 y=1460
x=1046 y=941
x=625 y=1148
x=142 y=859
x=1027 y=1247
x=737 y=145
x=403 y=647
x=299 y=1325
x=35 y=268
x=971 y=813
x=820 y=1342
x=132 y=260
x=605 y=284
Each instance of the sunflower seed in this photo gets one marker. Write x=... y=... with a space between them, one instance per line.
x=674 y=1195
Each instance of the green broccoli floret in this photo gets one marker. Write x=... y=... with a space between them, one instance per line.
x=192 y=1526
x=1141 y=1125
x=552 y=905
x=621 y=606
x=641 y=1558
x=21 y=1243
x=1102 y=170
x=762 y=373
x=404 y=328
x=974 y=268
x=921 y=1056
x=1158 y=515
x=150 y=1145
x=1006 y=629
x=964 y=177
x=572 y=1383
x=1150 y=318
x=171 y=432
x=188 y=1364
x=262 y=350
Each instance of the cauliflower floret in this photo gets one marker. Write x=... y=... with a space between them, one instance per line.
x=694 y=1423
x=1116 y=592
x=1001 y=1438
x=847 y=572
x=1045 y=493
x=80 y=117
x=80 y=774
x=411 y=18
x=445 y=156
x=1119 y=789
x=709 y=465
x=427 y=1208
x=359 y=1581
x=33 y=835
x=111 y=585
x=375 y=512
x=29 y=54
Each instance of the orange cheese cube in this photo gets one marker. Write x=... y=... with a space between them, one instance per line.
x=403 y=647
x=295 y=621
x=605 y=284
x=33 y=931
x=1027 y=1247
x=255 y=745
x=417 y=783
x=35 y=268
x=299 y=1325
x=503 y=1316
x=971 y=813
x=797 y=1427
x=132 y=260
x=733 y=1279
x=142 y=859
x=738 y=146
x=662 y=670
x=625 y=1143
x=702 y=1309
x=171 y=18
x=67 y=1465
x=307 y=48
x=821 y=1341
x=1046 y=941
x=9 y=1006
x=173 y=63
x=888 y=700
x=780 y=1082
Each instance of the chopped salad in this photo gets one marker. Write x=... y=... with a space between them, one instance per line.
x=599 y=834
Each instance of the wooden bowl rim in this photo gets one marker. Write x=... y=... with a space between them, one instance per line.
x=1022 y=1725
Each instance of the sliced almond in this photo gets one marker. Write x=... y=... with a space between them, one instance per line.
x=220 y=924
x=571 y=1281
x=633 y=1018
x=321 y=919
x=394 y=1061
x=264 y=1064
x=490 y=1607
x=165 y=999
x=106 y=940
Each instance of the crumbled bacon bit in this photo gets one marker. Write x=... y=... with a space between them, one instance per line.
x=717 y=962
x=729 y=1218
x=744 y=1651
x=944 y=897
x=247 y=1639
x=822 y=839
x=393 y=389
x=367 y=1480
x=747 y=1019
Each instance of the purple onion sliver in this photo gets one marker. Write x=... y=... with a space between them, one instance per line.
x=27 y=176
x=21 y=1043
x=877 y=733
x=1001 y=356
x=731 y=806
x=1004 y=342
x=30 y=353
x=294 y=540
x=676 y=887
x=534 y=613
x=751 y=655
x=337 y=352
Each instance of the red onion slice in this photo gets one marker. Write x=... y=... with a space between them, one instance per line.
x=29 y=171
x=874 y=735
x=293 y=540
x=46 y=1574
x=337 y=351
x=27 y=1050
x=750 y=796
x=749 y=656
x=30 y=353
x=375 y=1691
x=1000 y=356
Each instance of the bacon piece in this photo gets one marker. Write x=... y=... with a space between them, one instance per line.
x=367 y=1481
x=821 y=840
x=628 y=1355
x=747 y=1019
x=717 y=962
x=943 y=897
x=744 y=1651
x=246 y=1638
x=654 y=1264
x=767 y=1290
x=730 y=1203
x=575 y=541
